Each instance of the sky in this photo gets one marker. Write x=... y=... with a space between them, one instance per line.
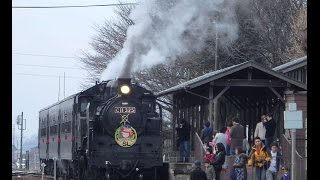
x=45 y=45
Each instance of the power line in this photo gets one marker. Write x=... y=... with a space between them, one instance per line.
x=71 y=77
x=26 y=54
x=32 y=65
x=82 y=6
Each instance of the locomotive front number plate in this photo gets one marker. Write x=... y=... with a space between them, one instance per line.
x=125 y=110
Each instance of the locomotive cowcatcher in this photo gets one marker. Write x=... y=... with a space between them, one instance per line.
x=112 y=130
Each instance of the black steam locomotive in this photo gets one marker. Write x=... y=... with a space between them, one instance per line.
x=109 y=131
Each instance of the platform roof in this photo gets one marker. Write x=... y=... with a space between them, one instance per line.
x=227 y=71
x=294 y=64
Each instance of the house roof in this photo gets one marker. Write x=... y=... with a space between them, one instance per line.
x=294 y=64
x=226 y=71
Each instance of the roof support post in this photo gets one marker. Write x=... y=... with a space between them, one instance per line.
x=215 y=114
x=216 y=108
x=210 y=115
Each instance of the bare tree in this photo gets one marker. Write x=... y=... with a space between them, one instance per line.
x=106 y=44
x=270 y=32
x=299 y=38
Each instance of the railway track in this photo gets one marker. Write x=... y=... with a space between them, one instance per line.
x=29 y=175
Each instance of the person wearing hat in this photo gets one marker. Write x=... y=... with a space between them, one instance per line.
x=197 y=173
x=275 y=162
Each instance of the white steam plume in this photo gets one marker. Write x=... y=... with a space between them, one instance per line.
x=164 y=29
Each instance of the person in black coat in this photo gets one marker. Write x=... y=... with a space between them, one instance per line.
x=270 y=126
x=198 y=173
x=219 y=159
x=183 y=131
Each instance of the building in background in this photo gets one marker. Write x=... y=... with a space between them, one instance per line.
x=34 y=160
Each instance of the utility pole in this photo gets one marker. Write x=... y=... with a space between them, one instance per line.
x=59 y=89
x=13 y=139
x=20 y=164
x=22 y=127
x=64 y=84
x=216 y=49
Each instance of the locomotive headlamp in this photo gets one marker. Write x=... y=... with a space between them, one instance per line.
x=125 y=89
x=124 y=86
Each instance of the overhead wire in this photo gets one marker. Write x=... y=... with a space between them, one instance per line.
x=26 y=54
x=71 y=77
x=75 y=6
x=33 y=65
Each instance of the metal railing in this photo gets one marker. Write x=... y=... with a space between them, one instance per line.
x=199 y=149
x=300 y=166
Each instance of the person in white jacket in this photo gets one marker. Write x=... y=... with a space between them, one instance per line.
x=260 y=130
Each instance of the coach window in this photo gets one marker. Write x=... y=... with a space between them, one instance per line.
x=66 y=127
x=43 y=132
x=53 y=129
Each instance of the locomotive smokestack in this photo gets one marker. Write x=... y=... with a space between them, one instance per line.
x=164 y=30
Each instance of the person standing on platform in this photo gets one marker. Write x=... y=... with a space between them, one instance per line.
x=240 y=164
x=260 y=130
x=228 y=143
x=236 y=134
x=286 y=175
x=270 y=125
x=208 y=159
x=219 y=159
x=183 y=131
x=259 y=158
x=221 y=137
x=206 y=134
x=275 y=163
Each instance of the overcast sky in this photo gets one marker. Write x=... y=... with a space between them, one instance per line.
x=38 y=34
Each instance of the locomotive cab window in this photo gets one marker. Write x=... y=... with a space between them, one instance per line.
x=83 y=108
x=147 y=105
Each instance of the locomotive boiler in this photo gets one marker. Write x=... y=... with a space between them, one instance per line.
x=112 y=130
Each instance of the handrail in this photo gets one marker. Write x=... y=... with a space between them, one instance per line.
x=199 y=149
x=199 y=139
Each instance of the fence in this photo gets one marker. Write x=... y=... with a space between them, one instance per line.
x=300 y=167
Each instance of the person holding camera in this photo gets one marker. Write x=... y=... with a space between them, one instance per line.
x=183 y=131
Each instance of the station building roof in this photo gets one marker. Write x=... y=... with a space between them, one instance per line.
x=206 y=78
x=294 y=64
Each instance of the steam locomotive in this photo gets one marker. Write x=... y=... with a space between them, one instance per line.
x=112 y=130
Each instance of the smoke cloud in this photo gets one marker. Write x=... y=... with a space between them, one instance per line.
x=164 y=29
